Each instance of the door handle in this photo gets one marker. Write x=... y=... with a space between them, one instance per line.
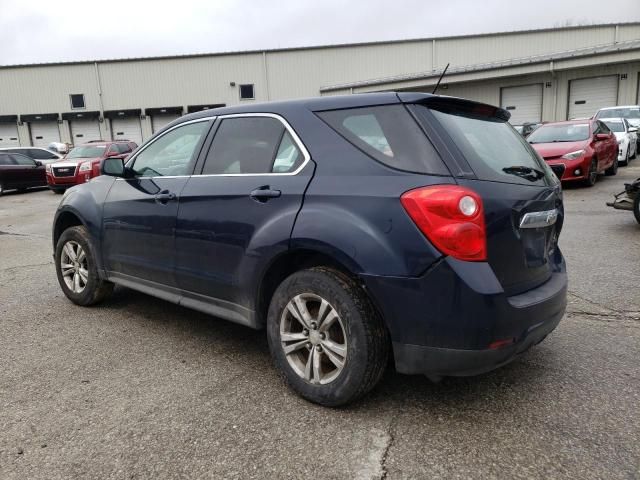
x=263 y=194
x=164 y=197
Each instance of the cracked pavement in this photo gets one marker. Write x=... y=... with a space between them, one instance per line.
x=139 y=388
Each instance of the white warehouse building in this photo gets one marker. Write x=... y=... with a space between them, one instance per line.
x=538 y=75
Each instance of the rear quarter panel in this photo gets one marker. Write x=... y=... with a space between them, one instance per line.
x=352 y=210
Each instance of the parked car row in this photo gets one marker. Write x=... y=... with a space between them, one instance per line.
x=582 y=149
x=28 y=167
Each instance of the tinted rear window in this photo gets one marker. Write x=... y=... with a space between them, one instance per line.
x=390 y=135
x=491 y=147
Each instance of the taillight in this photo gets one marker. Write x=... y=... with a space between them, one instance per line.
x=451 y=217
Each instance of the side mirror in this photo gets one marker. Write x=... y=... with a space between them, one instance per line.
x=38 y=163
x=633 y=130
x=114 y=167
x=601 y=136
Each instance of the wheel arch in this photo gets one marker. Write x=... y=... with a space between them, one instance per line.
x=292 y=261
x=65 y=219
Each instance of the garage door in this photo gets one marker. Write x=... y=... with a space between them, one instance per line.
x=588 y=95
x=9 y=135
x=523 y=103
x=127 y=128
x=84 y=131
x=159 y=121
x=43 y=133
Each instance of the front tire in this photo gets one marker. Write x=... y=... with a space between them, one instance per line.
x=325 y=337
x=636 y=207
x=58 y=191
x=77 y=270
x=592 y=174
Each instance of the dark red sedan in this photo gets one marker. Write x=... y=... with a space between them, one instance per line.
x=577 y=150
x=19 y=172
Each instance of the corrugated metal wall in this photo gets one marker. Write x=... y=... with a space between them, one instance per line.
x=298 y=73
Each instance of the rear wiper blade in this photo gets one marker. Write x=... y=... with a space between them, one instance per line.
x=528 y=173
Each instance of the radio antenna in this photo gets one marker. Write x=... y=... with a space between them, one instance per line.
x=440 y=79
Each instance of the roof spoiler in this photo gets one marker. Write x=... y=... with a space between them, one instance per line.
x=461 y=105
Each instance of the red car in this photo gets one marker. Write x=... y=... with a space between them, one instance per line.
x=83 y=163
x=577 y=149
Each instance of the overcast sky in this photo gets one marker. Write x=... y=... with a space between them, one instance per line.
x=49 y=30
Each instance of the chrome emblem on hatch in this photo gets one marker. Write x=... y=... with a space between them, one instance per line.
x=539 y=219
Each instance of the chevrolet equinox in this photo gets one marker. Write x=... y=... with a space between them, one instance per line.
x=350 y=228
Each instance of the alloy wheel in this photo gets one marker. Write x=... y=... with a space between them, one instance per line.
x=74 y=266
x=313 y=338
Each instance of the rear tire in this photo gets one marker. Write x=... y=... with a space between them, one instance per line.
x=337 y=345
x=613 y=169
x=627 y=158
x=592 y=174
x=77 y=270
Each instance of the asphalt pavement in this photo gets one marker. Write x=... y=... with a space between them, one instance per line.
x=140 y=388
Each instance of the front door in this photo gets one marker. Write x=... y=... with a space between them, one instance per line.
x=28 y=172
x=140 y=211
x=239 y=212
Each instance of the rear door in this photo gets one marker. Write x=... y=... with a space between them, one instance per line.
x=240 y=210
x=521 y=196
x=140 y=212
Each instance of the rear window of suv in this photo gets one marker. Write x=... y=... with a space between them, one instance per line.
x=388 y=134
x=491 y=147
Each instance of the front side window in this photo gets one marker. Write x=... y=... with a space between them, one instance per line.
x=389 y=135
x=23 y=160
x=252 y=145
x=172 y=153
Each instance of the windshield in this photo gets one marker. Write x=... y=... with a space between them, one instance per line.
x=493 y=149
x=88 y=151
x=628 y=113
x=570 y=132
x=615 y=126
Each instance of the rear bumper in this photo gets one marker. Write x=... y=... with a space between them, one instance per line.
x=457 y=321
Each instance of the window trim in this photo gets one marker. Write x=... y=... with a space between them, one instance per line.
x=84 y=103
x=292 y=132
x=253 y=88
x=294 y=135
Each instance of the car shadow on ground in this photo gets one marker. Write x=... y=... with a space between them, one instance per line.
x=394 y=388
x=9 y=193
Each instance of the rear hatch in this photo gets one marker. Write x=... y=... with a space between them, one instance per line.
x=522 y=197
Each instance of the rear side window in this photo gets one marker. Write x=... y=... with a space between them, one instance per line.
x=390 y=135
x=252 y=145
x=5 y=160
x=493 y=149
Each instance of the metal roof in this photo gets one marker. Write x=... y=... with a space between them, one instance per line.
x=548 y=57
x=317 y=47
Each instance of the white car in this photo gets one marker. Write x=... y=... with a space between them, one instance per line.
x=43 y=155
x=629 y=112
x=627 y=137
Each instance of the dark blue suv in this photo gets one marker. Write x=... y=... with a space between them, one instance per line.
x=349 y=227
